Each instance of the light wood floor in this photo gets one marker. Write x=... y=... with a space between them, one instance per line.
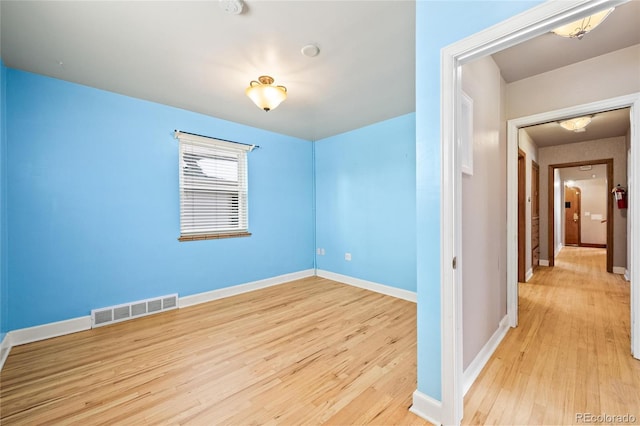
x=570 y=353
x=308 y=352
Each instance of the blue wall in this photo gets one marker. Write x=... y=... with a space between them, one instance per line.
x=438 y=24
x=365 y=203
x=93 y=203
x=4 y=301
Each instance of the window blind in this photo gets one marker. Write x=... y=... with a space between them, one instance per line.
x=213 y=187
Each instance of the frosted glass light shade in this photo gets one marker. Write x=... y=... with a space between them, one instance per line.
x=576 y=124
x=579 y=28
x=264 y=94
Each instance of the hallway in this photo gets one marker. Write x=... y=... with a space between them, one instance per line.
x=570 y=355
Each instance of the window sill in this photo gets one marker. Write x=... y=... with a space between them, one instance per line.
x=213 y=236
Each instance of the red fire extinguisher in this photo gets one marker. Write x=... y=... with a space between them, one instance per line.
x=620 y=194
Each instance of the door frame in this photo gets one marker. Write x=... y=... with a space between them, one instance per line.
x=534 y=22
x=551 y=217
x=632 y=101
x=577 y=193
x=522 y=215
x=535 y=202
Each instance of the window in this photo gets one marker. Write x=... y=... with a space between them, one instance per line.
x=213 y=188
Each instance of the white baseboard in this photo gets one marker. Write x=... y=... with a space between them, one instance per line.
x=627 y=276
x=543 y=262
x=528 y=275
x=369 y=285
x=47 y=331
x=5 y=348
x=208 y=296
x=473 y=370
x=55 y=329
x=426 y=407
x=621 y=270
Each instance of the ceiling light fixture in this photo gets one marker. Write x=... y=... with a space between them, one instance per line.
x=579 y=28
x=264 y=94
x=577 y=124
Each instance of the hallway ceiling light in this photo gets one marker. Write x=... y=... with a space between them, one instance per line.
x=264 y=94
x=579 y=28
x=577 y=124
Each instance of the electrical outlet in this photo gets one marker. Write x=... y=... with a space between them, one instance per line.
x=322 y=252
x=347 y=257
x=318 y=251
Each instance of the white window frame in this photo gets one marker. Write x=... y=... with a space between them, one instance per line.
x=213 y=199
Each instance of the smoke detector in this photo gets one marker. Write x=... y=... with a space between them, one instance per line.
x=310 y=50
x=232 y=7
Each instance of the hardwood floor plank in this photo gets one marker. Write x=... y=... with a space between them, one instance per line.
x=312 y=351
x=569 y=354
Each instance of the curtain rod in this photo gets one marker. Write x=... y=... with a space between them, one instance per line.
x=220 y=139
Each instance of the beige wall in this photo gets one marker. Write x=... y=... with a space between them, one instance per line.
x=603 y=77
x=584 y=151
x=484 y=210
x=593 y=205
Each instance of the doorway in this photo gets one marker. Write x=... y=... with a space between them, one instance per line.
x=535 y=215
x=509 y=33
x=552 y=217
x=522 y=219
x=572 y=216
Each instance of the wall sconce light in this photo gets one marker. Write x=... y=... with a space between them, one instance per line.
x=264 y=94
x=579 y=28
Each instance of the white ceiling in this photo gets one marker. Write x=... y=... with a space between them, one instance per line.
x=548 y=52
x=603 y=125
x=597 y=171
x=192 y=55
x=621 y=29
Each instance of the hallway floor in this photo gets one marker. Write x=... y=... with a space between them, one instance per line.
x=569 y=358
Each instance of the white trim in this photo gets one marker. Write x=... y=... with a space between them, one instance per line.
x=47 y=331
x=626 y=275
x=475 y=368
x=208 y=296
x=544 y=262
x=512 y=218
x=528 y=275
x=426 y=407
x=60 y=328
x=517 y=29
x=369 y=285
x=620 y=270
x=633 y=182
x=450 y=241
x=5 y=348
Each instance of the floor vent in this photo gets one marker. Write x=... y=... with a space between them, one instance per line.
x=126 y=311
